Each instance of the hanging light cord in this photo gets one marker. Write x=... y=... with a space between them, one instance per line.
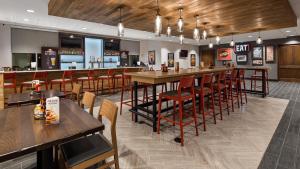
x=120 y=14
x=157 y=7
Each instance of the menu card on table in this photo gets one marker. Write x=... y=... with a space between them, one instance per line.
x=52 y=110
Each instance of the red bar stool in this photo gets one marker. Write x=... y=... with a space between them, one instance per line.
x=89 y=78
x=10 y=81
x=233 y=87
x=109 y=77
x=206 y=89
x=67 y=78
x=41 y=76
x=257 y=76
x=221 y=90
x=185 y=92
x=242 y=83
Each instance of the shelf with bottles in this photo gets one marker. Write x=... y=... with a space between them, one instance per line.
x=71 y=51
x=111 y=52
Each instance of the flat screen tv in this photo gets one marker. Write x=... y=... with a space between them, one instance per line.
x=183 y=53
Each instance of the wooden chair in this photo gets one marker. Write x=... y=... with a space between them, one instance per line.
x=88 y=100
x=76 y=92
x=90 y=150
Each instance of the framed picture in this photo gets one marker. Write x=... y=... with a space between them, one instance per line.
x=270 y=54
x=241 y=59
x=257 y=62
x=170 y=59
x=193 y=60
x=151 y=57
x=224 y=54
x=257 y=53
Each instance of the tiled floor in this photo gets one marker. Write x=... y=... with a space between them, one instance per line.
x=284 y=149
x=236 y=142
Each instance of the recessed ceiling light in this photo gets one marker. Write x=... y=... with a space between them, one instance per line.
x=288 y=31
x=84 y=28
x=26 y=20
x=250 y=36
x=30 y=10
x=291 y=35
x=149 y=37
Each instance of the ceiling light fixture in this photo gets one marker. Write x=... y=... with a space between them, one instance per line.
x=158 y=22
x=204 y=33
x=288 y=31
x=169 y=29
x=250 y=36
x=259 y=40
x=84 y=28
x=218 y=39
x=232 y=43
x=180 y=22
x=120 y=25
x=196 y=33
x=30 y=10
x=26 y=20
x=181 y=38
x=210 y=45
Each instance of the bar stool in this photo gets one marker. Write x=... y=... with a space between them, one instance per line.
x=67 y=77
x=206 y=89
x=41 y=76
x=185 y=92
x=109 y=77
x=233 y=87
x=221 y=90
x=10 y=81
x=242 y=83
x=258 y=76
x=89 y=78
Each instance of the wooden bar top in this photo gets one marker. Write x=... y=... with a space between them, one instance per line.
x=156 y=77
x=61 y=70
x=21 y=134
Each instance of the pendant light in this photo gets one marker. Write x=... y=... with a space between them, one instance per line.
x=204 y=33
x=120 y=25
x=218 y=40
x=169 y=29
x=181 y=38
x=180 y=22
x=196 y=33
x=210 y=45
x=259 y=40
x=232 y=43
x=158 y=22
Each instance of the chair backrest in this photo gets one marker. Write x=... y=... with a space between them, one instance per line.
x=40 y=76
x=241 y=73
x=111 y=72
x=186 y=84
x=109 y=110
x=88 y=101
x=221 y=77
x=68 y=74
x=76 y=91
x=11 y=77
x=206 y=80
x=234 y=74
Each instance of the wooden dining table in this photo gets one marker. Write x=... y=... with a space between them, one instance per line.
x=23 y=98
x=155 y=78
x=21 y=134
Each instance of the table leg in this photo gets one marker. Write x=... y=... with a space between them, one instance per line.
x=154 y=108
x=135 y=100
x=264 y=83
x=45 y=159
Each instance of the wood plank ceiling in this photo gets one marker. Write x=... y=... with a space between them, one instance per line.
x=221 y=17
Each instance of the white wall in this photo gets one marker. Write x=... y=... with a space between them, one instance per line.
x=5 y=46
x=163 y=48
x=31 y=41
x=132 y=46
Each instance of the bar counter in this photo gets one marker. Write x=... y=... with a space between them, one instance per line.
x=23 y=76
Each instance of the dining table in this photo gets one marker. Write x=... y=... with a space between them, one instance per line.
x=21 y=134
x=155 y=78
x=28 y=97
